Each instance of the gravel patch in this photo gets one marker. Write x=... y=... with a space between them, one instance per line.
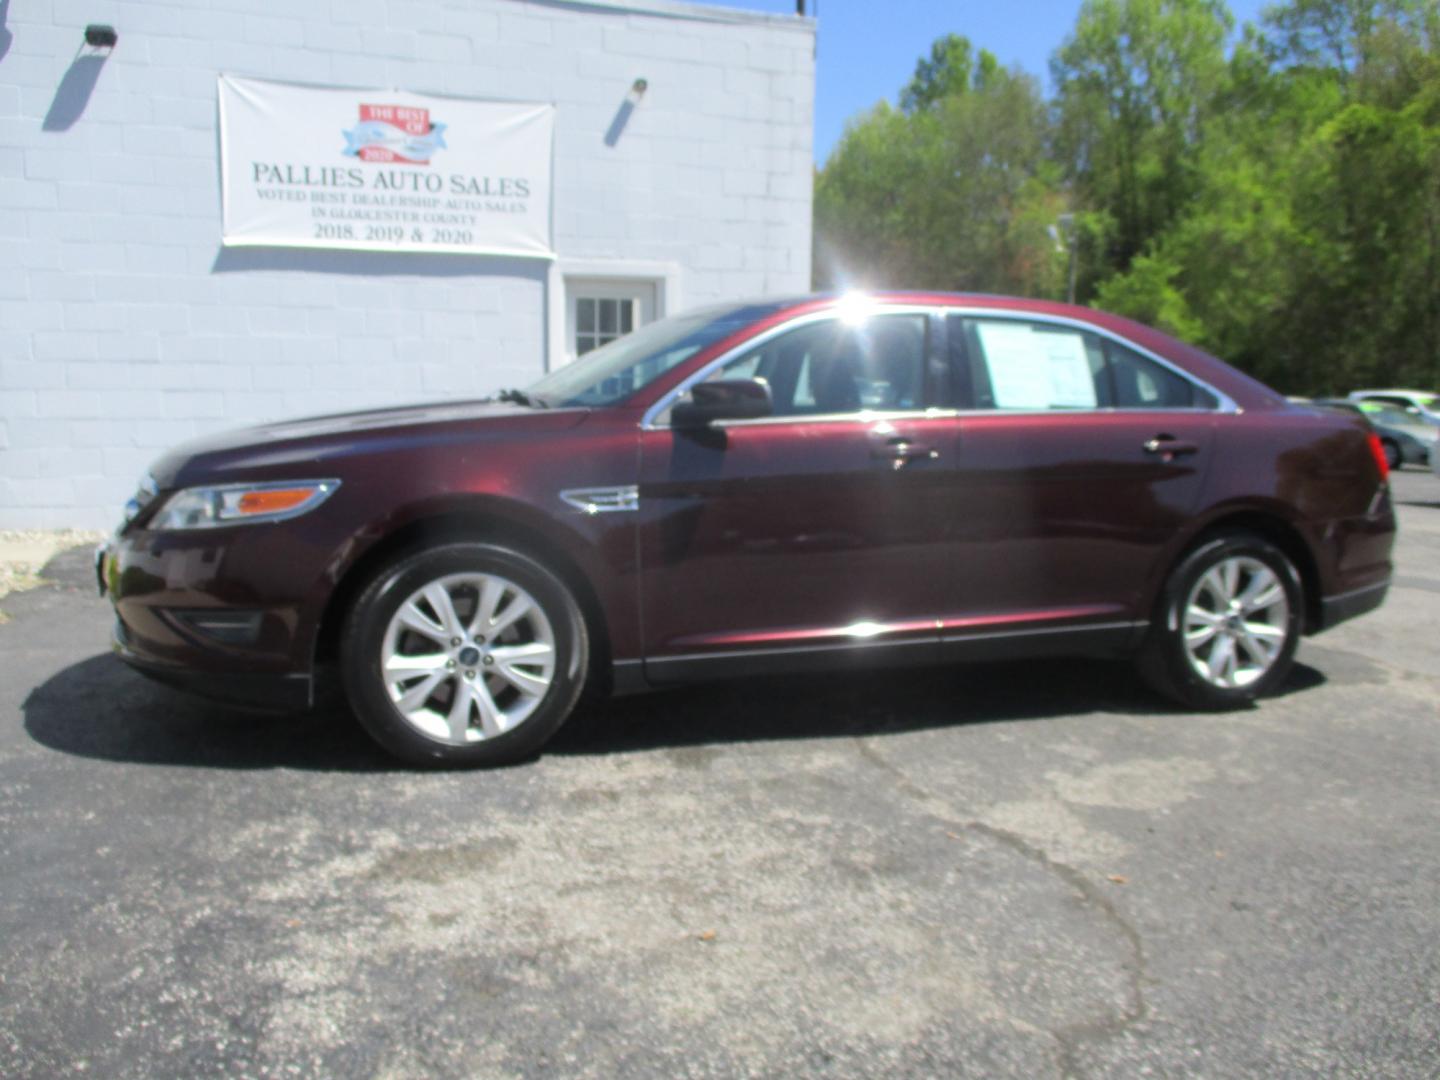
x=24 y=553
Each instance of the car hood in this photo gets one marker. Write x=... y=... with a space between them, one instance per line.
x=318 y=439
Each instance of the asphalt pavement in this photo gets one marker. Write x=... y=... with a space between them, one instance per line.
x=1021 y=870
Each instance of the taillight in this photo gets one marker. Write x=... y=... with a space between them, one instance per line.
x=1378 y=452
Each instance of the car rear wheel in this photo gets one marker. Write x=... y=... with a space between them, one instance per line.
x=466 y=654
x=1228 y=624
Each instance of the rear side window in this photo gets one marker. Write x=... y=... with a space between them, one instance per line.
x=1012 y=364
x=1141 y=383
x=1035 y=366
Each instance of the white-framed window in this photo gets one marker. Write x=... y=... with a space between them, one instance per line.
x=601 y=319
x=599 y=311
x=653 y=289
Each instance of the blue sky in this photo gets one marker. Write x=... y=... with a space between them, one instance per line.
x=868 y=48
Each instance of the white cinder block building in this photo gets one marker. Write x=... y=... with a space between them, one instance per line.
x=681 y=174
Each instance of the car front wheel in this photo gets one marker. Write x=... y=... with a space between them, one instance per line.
x=1228 y=624
x=465 y=654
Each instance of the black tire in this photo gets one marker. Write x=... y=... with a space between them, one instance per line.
x=365 y=637
x=1172 y=667
x=1393 y=457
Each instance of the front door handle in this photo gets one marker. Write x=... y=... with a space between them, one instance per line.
x=899 y=450
x=1170 y=447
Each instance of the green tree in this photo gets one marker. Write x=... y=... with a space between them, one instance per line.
x=1343 y=36
x=1136 y=84
x=952 y=68
x=952 y=191
x=1279 y=205
x=1227 y=270
x=1310 y=251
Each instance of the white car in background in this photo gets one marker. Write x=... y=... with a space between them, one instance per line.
x=1420 y=403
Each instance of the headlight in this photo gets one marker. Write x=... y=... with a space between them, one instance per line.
x=241 y=504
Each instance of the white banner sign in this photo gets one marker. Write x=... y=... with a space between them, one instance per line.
x=383 y=170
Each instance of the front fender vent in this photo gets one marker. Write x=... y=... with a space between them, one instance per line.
x=603 y=500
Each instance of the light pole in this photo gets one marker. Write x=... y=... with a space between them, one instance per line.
x=1067 y=225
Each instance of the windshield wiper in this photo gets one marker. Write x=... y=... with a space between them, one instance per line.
x=520 y=397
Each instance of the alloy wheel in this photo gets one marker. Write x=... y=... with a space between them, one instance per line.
x=468 y=657
x=1235 y=622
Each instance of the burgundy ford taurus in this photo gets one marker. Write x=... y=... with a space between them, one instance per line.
x=762 y=487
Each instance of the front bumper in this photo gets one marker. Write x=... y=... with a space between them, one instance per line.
x=266 y=691
x=226 y=614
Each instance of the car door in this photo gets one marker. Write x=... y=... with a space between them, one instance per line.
x=1077 y=462
x=811 y=535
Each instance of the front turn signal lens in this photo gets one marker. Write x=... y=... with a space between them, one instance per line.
x=241 y=504
x=273 y=501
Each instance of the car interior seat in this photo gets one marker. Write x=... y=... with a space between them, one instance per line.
x=834 y=379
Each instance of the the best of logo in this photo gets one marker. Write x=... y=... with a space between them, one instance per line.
x=394 y=133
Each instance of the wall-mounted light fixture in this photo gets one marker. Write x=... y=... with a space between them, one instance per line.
x=622 y=116
x=98 y=36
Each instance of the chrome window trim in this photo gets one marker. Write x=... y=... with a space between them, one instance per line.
x=1225 y=403
x=864 y=416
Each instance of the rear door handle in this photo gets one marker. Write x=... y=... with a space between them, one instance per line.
x=899 y=450
x=1170 y=447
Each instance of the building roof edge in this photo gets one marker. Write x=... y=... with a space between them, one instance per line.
x=678 y=9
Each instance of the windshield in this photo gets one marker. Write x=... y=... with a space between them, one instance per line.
x=614 y=371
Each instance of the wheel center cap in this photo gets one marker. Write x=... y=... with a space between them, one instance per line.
x=469 y=656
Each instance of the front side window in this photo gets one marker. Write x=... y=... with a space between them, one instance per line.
x=832 y=367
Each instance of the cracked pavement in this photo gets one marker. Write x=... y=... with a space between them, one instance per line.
x=1023 y=869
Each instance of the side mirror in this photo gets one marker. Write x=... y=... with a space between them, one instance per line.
x=723 y=399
